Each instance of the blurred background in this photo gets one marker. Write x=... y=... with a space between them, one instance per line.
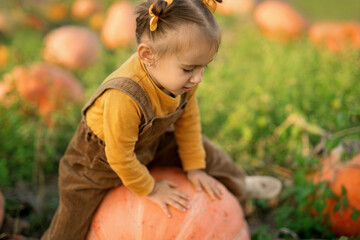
x=282 y=98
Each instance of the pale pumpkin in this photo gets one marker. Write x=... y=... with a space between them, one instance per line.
x=236 y=7
x=82 y=9
x=335 y=36
x=123 y=215
x=119 y=25
x=342 y=174
x=279 y=21
x=72 y=46
x=46 y=86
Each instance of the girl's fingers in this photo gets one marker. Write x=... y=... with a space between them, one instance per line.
x=197 y=185
x=209 y=191
x=165 y=208
x=181 y=195
x=183 y=203
x=213 y=189
x=171 y=183
x=176 y=205
x=217 y=191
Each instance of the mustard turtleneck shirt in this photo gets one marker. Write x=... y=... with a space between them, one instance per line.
x=115 y=118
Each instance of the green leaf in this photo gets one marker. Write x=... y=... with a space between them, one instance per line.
x=343 y=190
x=355 y=215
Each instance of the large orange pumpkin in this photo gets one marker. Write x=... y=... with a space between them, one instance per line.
x=236 y=7
x=279 y=21
x=46 y=86
x=342 y=174
x=72 y=46
x=335 y=36
x=119 y=26
x=123 y=215
x=2 y=209
x=82 y=9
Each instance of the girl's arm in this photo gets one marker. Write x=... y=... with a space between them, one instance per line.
x=121 y=120
x=188 y=136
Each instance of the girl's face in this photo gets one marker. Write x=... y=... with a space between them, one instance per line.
x=179 y=73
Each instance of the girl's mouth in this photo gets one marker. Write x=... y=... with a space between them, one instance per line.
x=187 y=89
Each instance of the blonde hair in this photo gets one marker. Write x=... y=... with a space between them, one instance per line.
x=172 y=20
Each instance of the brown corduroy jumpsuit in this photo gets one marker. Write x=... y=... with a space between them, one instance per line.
x=85 y=175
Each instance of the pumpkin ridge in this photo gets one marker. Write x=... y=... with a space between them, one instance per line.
x=140 y=213
x=189 y=217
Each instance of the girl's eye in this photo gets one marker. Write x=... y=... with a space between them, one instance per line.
x=188 y=70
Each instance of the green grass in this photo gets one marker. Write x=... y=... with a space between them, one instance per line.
x=328 y=9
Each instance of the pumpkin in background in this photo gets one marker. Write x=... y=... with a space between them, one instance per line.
x=342 y=174
x=56 y=12
x=279 y=21
x=4 y=56
x=353 y=31
x=123 y=215
x=2 y=209
x=72 y=46
x=7 y=22
x=35 y=22
x=46 y=86
x=235 y=7
x=96 y=21
x=335 y=36
x=82 y=9
x=119 y=25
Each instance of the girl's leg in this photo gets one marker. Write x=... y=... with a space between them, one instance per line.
x=84 y=179
x=81 y=191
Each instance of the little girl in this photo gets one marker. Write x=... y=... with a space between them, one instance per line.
x=146 y=114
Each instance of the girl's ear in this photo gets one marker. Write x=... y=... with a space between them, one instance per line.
x=146 y=54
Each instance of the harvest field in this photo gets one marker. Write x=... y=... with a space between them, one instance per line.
x=278 y=103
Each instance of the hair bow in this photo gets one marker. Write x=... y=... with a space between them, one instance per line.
x=154 y=19
x=211 y=4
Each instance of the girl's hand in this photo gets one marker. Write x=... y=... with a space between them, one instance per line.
x=164 y=194
x=201 y=180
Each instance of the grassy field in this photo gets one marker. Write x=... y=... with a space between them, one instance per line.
x=268 y=104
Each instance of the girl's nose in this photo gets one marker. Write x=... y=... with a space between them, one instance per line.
x=197 y=77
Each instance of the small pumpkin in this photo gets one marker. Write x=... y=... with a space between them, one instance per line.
x=72 y=46
x=82 y=9
x=279 y=21
x=4 y=56
x=123 y=215
x=56 y=12
x=46 y=86
x=342 y=174
x=119 y=25
x=35 y=22
x=236 y=7
x=335 y=36
x=96 y=21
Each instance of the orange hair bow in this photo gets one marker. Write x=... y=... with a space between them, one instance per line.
x=154 y=19
x=211 y=4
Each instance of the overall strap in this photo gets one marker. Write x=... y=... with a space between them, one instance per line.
x=129 y=87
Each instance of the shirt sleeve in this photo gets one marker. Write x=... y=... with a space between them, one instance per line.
x=188 y=136
x=122 y=117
